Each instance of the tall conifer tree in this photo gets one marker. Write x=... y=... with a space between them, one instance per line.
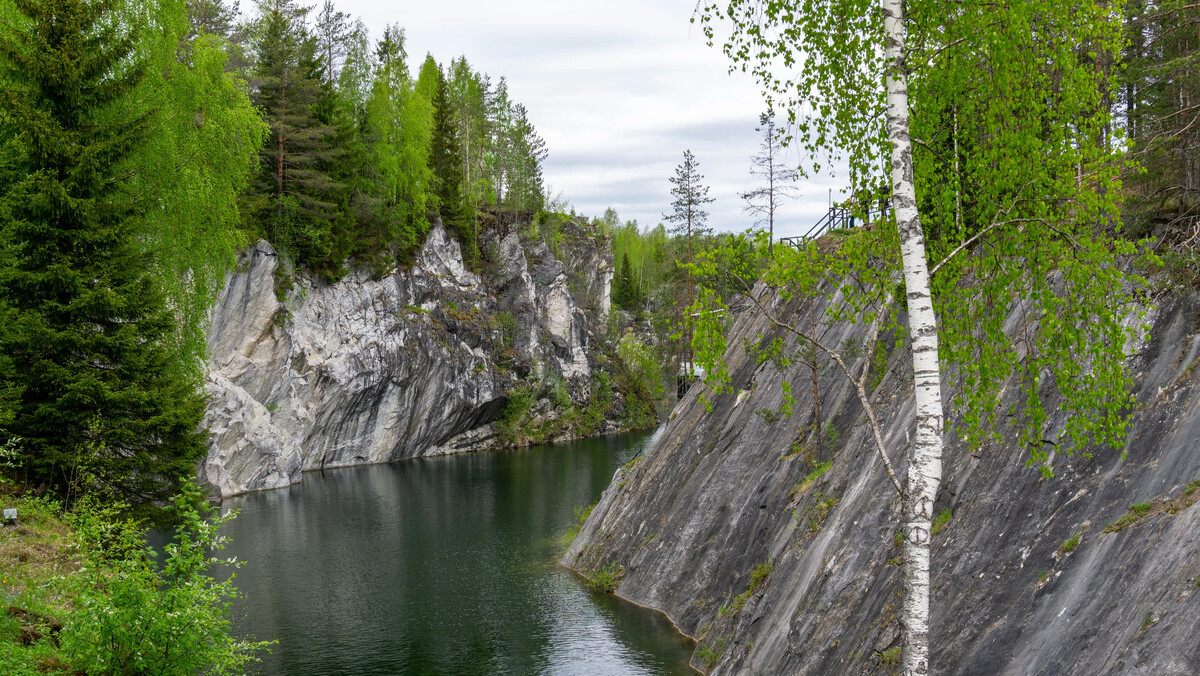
x=445 y=161
x=295 y=198
x=102 y=404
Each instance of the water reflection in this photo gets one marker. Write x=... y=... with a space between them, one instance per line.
x=440 y=566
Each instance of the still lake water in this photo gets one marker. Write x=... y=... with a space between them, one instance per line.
x=440 y=566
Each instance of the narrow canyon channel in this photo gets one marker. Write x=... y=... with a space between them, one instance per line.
x=440 y=566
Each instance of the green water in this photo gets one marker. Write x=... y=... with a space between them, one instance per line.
x=440 y=566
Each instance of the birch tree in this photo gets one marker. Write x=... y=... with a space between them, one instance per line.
x=1040 y=181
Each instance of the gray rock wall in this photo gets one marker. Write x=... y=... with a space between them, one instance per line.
x=714 y=498
x=375 y=370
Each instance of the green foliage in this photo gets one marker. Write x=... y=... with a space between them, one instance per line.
x=581 y=516
x=104 y=398
x=89 y=596
x=131 y=617
x=197 y=159
x=711 y=654
x=1070 y=545
x=1017 y=183
x=757 y=577
x=509 y=426
x=890 y=657
x=819 y=511
x=604 y=580
x=647 y=381
x=804 y=484
x=940 y=522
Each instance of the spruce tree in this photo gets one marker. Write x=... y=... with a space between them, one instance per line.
x=104 y=406
x=445 y=161
x=626 y=292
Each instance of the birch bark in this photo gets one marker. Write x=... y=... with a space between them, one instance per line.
x=925 y=455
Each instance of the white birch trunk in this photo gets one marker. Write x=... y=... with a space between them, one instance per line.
x=925 y=455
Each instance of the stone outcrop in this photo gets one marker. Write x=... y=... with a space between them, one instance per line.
x=721 y=493
x=375 y=370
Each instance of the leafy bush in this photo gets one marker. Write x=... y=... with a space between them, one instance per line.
x=134 y=617
x=604 y=580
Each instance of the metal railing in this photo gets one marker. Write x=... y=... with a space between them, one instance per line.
x=844 y=216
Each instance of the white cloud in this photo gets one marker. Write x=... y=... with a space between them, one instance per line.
x=618 y=88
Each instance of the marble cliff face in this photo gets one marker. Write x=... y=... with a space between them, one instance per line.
x=372 y=370
x=723 y=492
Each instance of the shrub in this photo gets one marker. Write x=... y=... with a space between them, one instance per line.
x=604 y=580
x=133 y=617
x=890 y=657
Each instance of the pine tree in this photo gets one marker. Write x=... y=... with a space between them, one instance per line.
x=212 y=17
x=777 y=178
x=294 y=199
x=332 y=32
x=103 y=404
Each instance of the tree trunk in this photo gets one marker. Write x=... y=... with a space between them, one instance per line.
x=925 y=454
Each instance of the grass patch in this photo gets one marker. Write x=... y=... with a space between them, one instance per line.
x=898 y=539
x=604 y=580
x=1140 y=511
x=940 y=522
x=820 y=511
x=757 y=577
x=1070 y=545
x=807 y=482
x=890 y=657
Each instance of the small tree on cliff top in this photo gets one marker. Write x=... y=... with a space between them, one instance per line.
x=1026 y=143
x=777 y=178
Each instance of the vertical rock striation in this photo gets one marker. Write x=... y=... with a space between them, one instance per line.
x=374 y=370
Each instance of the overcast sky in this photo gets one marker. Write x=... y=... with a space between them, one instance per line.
x=618 y=89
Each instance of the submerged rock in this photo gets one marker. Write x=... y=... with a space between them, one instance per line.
x=1025 y=578
x=374 y=370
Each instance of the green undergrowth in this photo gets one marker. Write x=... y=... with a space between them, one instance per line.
x=604 y=580
x=710 y=654
x=84 y=594
x=890 y=657
x=806 y=483
x=940 y=522
x=518 y=426
x=581 y=516
x=757 y=577
x=1141 y=511
x=819 y=511
x=1071 y=544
